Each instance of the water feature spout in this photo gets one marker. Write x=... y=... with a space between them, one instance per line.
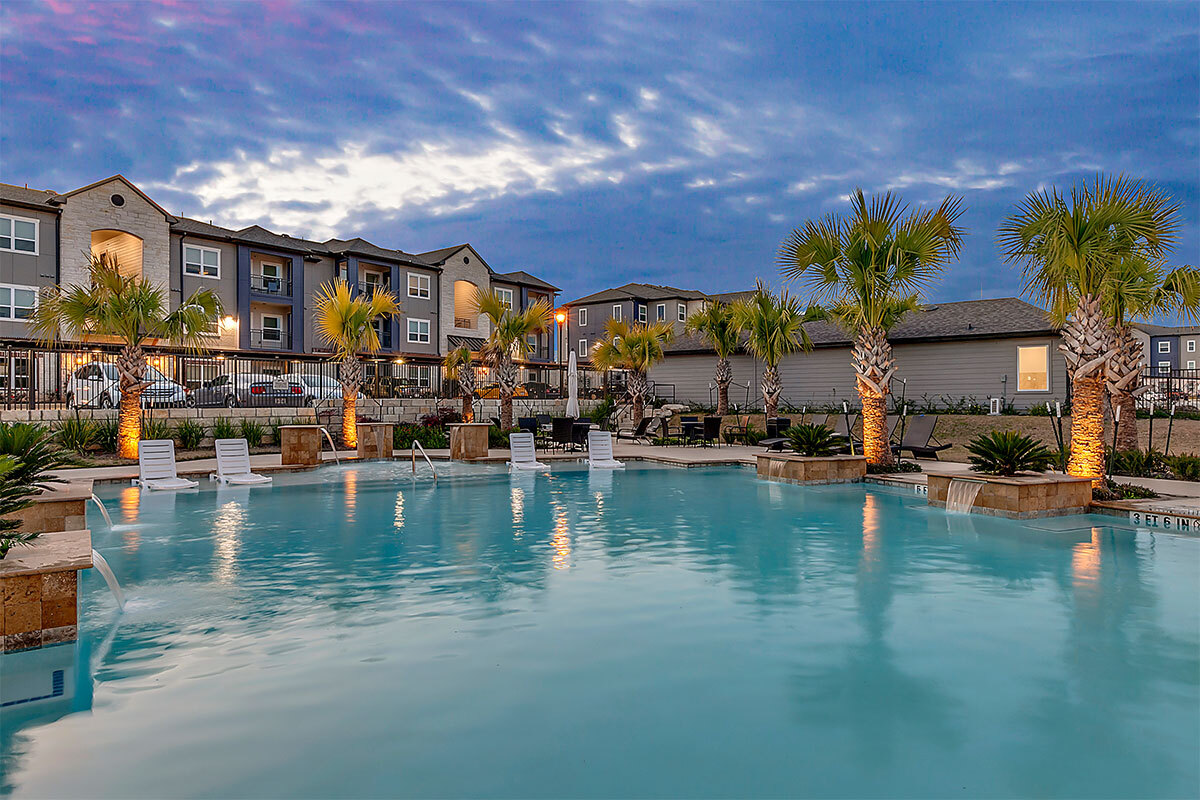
x=332 y=446
x=961 y=495
x=100 y=564
x=103 y=511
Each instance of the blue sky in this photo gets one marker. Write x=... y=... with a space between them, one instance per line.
x=594 y=144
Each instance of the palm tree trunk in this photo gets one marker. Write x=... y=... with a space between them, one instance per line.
x=639 y=387
x=131 y=367
x=507 y=378
x=772 y=390
x=1124 y=384
x=874 y=367
x=468 y=409
x=351 y=376
x=724 y=377
x=1087 y=347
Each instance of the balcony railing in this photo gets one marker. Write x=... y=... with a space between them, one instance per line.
x=465 y=323
x=371 y=288
x=270 y=339
x=265 y=284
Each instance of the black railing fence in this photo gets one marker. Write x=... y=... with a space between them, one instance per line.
x=50 y=378
x=1166 y=388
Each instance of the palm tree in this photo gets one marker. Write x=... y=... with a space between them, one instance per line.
x=460 y=367
x=774 y=326
x=1070 y=250
x=866 y=270
x=636 y=348
x=133 y=311
x=345 y=322
x=1141 y=288
x=716 y=323
x=509 y=338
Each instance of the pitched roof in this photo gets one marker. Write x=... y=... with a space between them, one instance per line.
x=1166 y=330
x=525 y=279
x=127 y=182
x=361 y=247
x=969 y=319
x=257 y=234
x=440 y=256
x=198 y=228
x=639 y=291
x=24 y=196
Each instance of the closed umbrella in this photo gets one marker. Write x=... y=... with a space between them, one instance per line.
x=572 y=387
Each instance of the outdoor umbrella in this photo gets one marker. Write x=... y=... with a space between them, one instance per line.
x=572 y=387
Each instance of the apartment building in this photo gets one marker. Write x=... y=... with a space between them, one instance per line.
x=1166 y=349
x=633 y=302
x=266 y=280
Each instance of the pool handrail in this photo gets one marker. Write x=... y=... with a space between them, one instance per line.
x=415 y=447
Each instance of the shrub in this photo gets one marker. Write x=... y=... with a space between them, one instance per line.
x=190 y=434
x=1139 y=464
x=1111 y=490
x=1186 y=467
x=892 y=469
x=28 y=455
x=106 y=435
x=602 y=412
x=77 y=433
x=273 y=425
x=223 y=428
x=253 y=432
x=441 y=418
x=498 y=438
x=404 y=434
x=1007 y=453
x=156 y=429
x=811 y=440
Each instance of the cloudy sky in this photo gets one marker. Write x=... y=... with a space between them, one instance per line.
x=594 y=144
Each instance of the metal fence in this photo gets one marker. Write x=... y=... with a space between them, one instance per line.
x=39 y=378
x=1167 y=388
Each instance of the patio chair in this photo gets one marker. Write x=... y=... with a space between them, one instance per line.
x=522 y=452
x=708 y=432
x=233 y=464
x=528 y=424
x=600 y=451
x=738 y=429
x=156 y=466
x=919 y=439
x=640 y=431
x=775 y=440
x=562 y=431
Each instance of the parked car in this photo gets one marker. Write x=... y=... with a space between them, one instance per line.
x=242 y=390
x=321 y=387
x=98 y=385
x=491 y=391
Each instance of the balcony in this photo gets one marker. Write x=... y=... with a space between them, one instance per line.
x=369 y=289
x=269 y=285
x=270 y=339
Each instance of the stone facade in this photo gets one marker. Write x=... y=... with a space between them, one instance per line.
x=375 y=440
x=1019 y=497
x=92 y=209
x=465 y=265
x=300 y=445
x=39 y=590
x=788 y=468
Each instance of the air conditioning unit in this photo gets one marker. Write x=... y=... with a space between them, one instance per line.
x=995 y=405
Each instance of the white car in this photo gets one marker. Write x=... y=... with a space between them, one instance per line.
x=98 y=385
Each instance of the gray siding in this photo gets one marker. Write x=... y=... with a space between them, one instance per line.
x=600 y=313
x=24 y=269
x=183 y=286
x=824 y=376
x=418 y=308
x=316 y=274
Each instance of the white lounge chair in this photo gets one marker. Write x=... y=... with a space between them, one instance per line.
x=233 y=464
x=524 y=455
x=600 y=451
x=156 y=466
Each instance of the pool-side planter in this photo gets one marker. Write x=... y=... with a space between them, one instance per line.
x=468 y=440
x=300 y=445
x=1018 y=497
x=39 y=590
x=791 y=468
x=375 y=440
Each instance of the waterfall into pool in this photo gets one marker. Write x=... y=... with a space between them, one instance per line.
x=102 y=567
x=961 y=494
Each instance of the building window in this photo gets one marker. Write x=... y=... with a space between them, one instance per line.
x=617 y=313
x=19 y=235
x=17 y=302
x=1191 y=365
x=1191 y=345
x=1164 y=366
x=506 y=297
x=1164 y=347
x=418 y=285
x=660 y=312
x=1033 y=368
x=202 y=261
x=641 y=311
x=418 y=331
x=682 y=313
x=272 y=328
x=583 y=317
x=582 y=351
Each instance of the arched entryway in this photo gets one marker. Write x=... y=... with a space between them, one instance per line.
x=466 y=316
x=123 y=248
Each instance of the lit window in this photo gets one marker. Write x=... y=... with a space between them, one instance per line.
x=506 y=297
x=18 y=235
x=660 y=312
x=202 y=261
x=582 y=347
x=641 y=311
x=1033 y=368
x=418 y=331
x=418 y=285
x=682 y=313
x=583 y=317
x=17 y=302
x=617 y=313
x=1164 y=347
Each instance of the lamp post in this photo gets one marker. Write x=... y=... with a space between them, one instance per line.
x=561 y=318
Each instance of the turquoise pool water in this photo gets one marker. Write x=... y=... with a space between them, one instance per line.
x=658 y=632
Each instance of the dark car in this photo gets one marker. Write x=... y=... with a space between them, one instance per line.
x=241 y=391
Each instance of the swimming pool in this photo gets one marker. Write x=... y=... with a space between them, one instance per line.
x=657 y=632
